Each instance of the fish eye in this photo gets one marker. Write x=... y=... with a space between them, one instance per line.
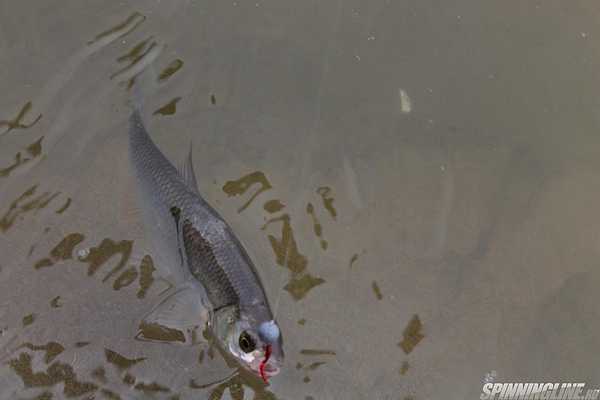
x=246 y=342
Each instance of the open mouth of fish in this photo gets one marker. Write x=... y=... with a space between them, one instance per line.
x=269 y=370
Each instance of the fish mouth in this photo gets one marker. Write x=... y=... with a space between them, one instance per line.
x=269 y=370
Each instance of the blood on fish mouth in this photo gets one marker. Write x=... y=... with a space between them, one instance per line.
x=263 y=363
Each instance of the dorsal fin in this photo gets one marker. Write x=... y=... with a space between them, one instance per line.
x=187 y=172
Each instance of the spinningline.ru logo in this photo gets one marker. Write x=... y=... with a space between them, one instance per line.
x=538 y=391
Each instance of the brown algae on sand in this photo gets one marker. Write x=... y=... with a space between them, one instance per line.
x=236 y=386
x=55 y=374
x=285 y=248
x=96 y=257
x=34 y=150
x=10 y=168
x=317 y=352
x=121 y=361
x=273 y=206
x=146 y=276
x=376 y=290
x=135 y=52
x=28 y=319
x=287 y=254
x=64 y=207
x=299 y=286
x=25 y=204
x=240 y=186
x=52 y=349
x=324 y=192
x=160 y=333
x=17 y=122
x=168 y=109
x=317 y=227
x=122 y=28
x=151 y=387
x=99 y=255
x=170 y=70
x=412 y=335
x=404 y=368
x=62 y=251
x=353 y=260
x=126 y=278
x=55 y=302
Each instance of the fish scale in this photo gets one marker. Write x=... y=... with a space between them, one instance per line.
x=214 y=256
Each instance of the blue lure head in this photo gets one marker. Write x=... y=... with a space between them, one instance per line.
x=269 y=332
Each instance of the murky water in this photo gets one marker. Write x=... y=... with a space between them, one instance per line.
x=416 y=182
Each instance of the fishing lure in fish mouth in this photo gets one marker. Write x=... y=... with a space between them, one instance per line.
x=264 y=362
x=257 y=348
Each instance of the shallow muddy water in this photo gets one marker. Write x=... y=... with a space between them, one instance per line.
x=416 y=182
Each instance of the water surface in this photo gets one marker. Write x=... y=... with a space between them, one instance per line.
x=416 y=182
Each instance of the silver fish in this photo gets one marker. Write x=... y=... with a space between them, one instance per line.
x=214 y=276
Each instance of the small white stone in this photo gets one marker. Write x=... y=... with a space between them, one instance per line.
x=405 y=102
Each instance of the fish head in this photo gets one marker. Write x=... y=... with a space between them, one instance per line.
x=255 y=344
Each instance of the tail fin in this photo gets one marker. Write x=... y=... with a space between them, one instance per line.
x=136 y=100
x=144 y=80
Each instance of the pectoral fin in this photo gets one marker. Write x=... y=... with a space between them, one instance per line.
x=179 y=318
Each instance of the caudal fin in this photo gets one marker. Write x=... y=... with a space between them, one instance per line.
x=144 y=79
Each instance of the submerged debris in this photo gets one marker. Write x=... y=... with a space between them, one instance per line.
x=376 y=290
x=404 y=368
x=168 y=109
x=171 y=69
x=412 y=335
x=17 y=122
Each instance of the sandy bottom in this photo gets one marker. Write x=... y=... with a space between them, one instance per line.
x=416 y=182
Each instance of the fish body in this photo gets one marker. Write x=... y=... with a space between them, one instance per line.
x=211 y=265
